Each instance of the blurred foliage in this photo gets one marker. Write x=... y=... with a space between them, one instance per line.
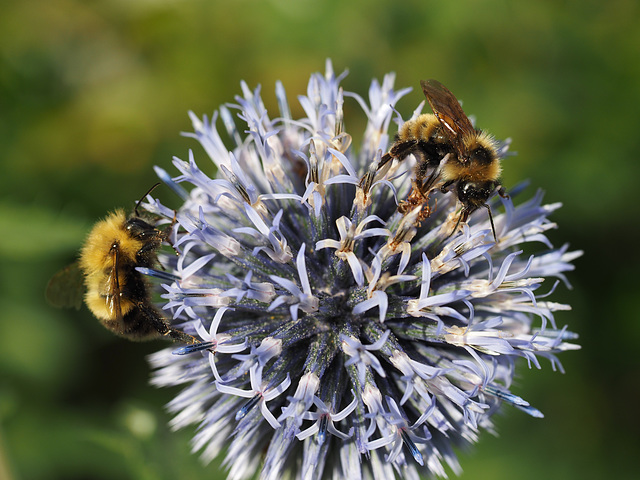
x=93 y=93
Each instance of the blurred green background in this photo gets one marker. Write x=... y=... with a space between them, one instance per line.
x=94 y=93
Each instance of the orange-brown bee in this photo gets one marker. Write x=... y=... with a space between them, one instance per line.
x=472 y=162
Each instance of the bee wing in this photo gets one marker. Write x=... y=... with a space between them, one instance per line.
x=113 y=287
x=448 y=111
x=66 y=288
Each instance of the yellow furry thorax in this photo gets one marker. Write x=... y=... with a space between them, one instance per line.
x=96 y=255
x=474 y=173
x=453 y=169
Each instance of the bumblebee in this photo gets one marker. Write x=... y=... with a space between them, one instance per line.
x=115 y=292
x=458 y=155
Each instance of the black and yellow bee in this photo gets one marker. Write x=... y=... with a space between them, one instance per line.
x=106 y=273
x=456 y=154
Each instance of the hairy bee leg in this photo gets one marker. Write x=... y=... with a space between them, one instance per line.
x=427 y=186
x=161 y=325
x=445 y=186
x=178 y=336
x=502 y=192
x=386 y=158
x=399 y=151
x=148 y=248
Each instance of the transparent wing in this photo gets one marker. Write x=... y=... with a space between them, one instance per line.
x=66 y=288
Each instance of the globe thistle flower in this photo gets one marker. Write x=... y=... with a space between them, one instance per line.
x=340 y=337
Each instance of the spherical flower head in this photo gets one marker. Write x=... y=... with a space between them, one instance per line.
x=340 y=337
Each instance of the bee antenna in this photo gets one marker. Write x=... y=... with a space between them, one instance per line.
x=143 y=197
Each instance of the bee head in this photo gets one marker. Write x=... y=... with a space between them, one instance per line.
x=475 y=194
x=140 y=229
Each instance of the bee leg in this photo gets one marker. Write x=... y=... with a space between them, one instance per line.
x=147 y=251
x=399 y=151
x=428 y=184
x=445 y=187
x=502 y=192
x=163 y=329
x=386 y=158
x=178 y=336
x=161 y=325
